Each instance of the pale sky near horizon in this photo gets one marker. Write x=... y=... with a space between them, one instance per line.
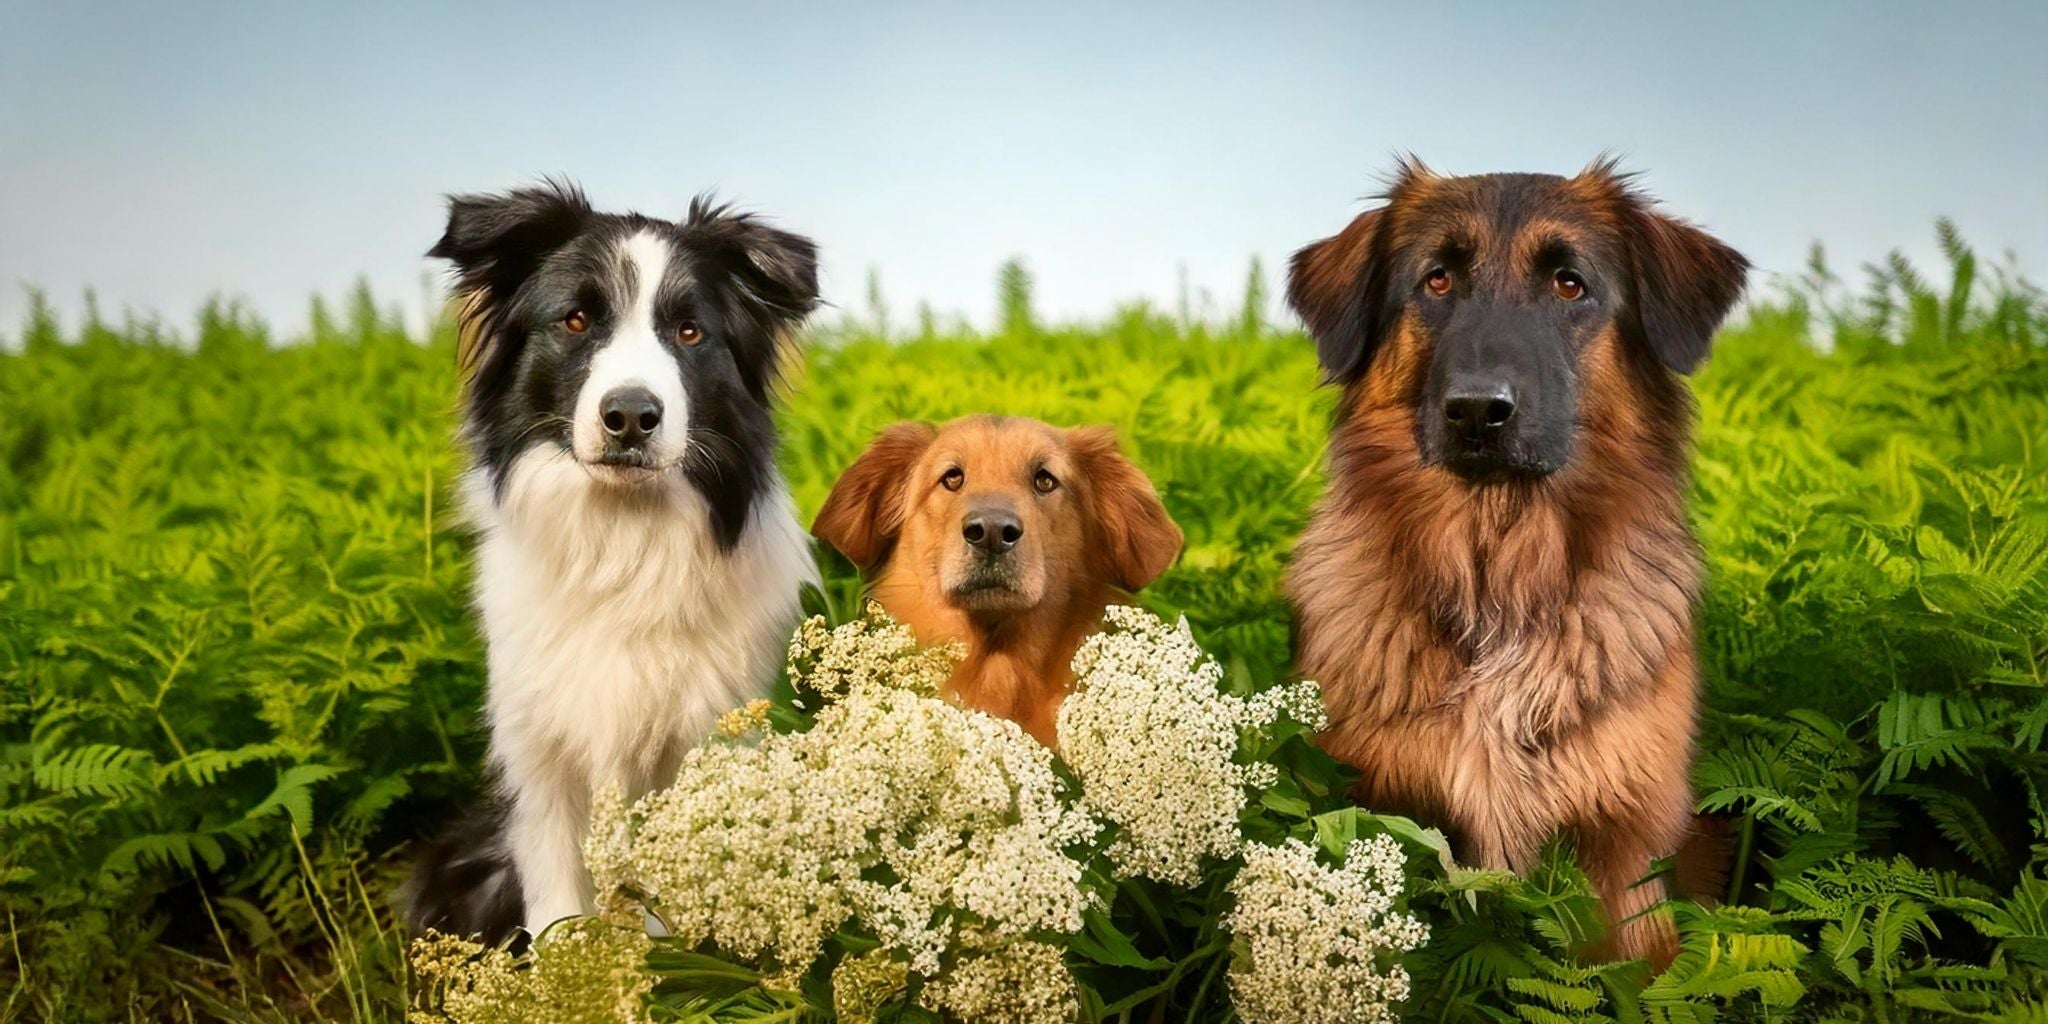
x=159 y=153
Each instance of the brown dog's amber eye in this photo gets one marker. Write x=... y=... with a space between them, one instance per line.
x=1044 y=482
x=953 y=479
x=689 y=333
x=1438 y=282
x=1568 y=286
x=577 y=321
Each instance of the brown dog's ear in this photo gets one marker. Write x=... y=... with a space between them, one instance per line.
x=864 y=512
x=1139 y=540
x=1343 y=287
x=1330 y=286
x=1685 y=282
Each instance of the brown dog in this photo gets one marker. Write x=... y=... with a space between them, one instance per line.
x=1497 y=591
x=1005 y=534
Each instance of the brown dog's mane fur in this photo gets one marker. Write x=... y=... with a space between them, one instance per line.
x=1114 y=538
x=1511 y=658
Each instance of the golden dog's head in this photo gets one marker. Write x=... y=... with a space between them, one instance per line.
x=995 y=517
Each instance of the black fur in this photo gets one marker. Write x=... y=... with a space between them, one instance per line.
x=463 y=882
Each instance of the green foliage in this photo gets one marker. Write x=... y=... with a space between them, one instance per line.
x=1013 y=298
x=238 y=673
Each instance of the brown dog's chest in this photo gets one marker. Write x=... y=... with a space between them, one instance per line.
x=1498 y=672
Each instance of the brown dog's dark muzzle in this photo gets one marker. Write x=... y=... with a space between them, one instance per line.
x=1501 y=396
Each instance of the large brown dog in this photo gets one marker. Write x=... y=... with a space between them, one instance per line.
x=1497 y=591
x=1006 y=534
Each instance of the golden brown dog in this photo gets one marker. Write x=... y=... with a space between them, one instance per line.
x=1006 y=534
x=1497 y=591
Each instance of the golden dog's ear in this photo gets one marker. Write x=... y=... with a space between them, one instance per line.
x=1138 y=540
x=864 y=512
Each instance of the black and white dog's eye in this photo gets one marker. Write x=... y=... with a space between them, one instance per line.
x=1044 y=482
x=576 y=322
x=953 y=479
x=689 y=333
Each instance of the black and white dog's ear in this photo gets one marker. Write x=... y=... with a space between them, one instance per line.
x=779 y=269
x=772 y=278
x=497 y=239
x=496 y=242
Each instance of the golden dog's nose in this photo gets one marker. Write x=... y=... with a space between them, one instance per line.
x=992 y=530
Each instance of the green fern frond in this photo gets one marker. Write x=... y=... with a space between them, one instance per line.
x=97 y=769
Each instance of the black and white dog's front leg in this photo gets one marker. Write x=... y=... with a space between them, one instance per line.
x=550 y=816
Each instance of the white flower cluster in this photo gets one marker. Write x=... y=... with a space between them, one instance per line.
x=873 y=650
x=1317 y=945
x=1012 y=983
x=864 y=983
x=1154 y=741
x=914 y=816
x=583 y=971
x=948 y=836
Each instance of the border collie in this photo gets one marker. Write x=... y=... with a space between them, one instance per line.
x=639 y=561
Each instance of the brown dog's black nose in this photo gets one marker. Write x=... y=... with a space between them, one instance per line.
x=1479 y=414
x=993 y=530
x=630 y=415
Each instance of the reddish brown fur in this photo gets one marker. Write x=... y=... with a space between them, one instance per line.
x=1514 y=659
x=1102 y=533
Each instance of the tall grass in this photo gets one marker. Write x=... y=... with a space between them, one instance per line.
x=238 y=673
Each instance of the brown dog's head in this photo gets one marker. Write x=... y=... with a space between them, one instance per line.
x=1485 y=303
x=997 y=516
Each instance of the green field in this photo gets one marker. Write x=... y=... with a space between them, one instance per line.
x=238 y=675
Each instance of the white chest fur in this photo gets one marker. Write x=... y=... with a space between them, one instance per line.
x=617 y=633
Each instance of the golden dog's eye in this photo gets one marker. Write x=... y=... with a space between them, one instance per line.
x=1044 y=482
x=953 y=479
x=689 y=333
x=576 y=322
x=1438 y=282
x=1569 y=286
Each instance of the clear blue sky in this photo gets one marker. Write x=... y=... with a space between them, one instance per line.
x=160 y=152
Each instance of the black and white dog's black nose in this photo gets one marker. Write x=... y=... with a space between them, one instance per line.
x=630 y=415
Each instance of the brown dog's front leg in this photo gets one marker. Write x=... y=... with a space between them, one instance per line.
x=1637 y=927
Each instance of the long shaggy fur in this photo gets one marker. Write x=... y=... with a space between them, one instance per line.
x=1511 y=658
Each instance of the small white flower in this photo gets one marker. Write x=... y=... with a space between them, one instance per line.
x=1154 y=740
x=581 y=971
x=1317 y=945
x=947 y=835
x=874 y=650
x=1014 y=983
x=904 y=812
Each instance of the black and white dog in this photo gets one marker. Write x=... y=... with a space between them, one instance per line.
x=639 y=560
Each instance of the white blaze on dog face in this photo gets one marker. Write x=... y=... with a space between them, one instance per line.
x=633 y=348
x=635 y=356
